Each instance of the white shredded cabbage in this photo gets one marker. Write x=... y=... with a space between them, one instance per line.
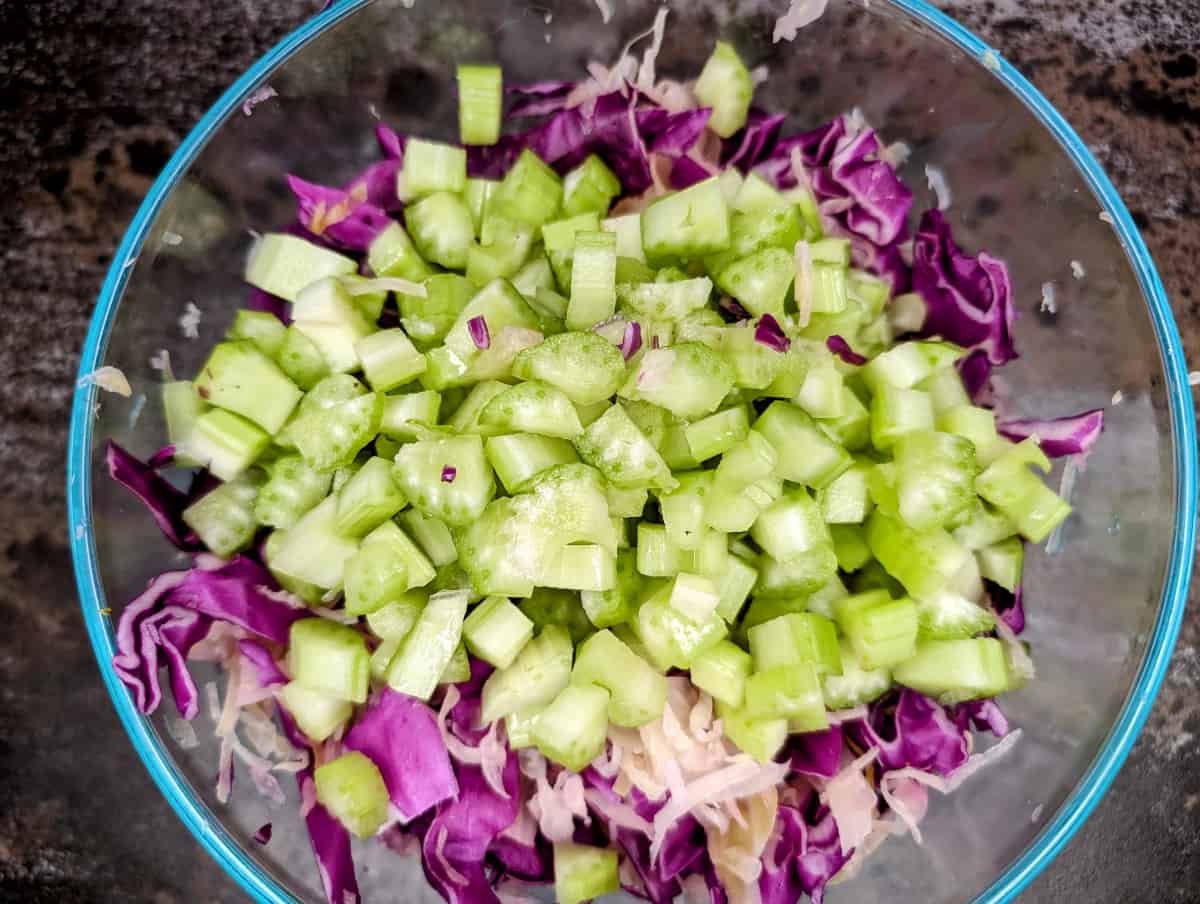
x=108 y=378
x=385 y=284
x=800 y=14
x=135 y=410
x=896 y=154
x=1106 y=217
x=1049 y=298
x=171 y=238
x=181 y=731
x=937 y=184
x=189 y=321
x=804 y=284
x=606 y=11
x=1194 y=378
x=991 y=60
x=1077 y=270
x=265 y=93
x=852 y=801
x=645 y=77
x=161 y=362
x=1118 y=397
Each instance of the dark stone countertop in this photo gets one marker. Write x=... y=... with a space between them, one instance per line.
x=94 y=97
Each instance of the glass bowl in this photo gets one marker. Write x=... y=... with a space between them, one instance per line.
x=1104 y=608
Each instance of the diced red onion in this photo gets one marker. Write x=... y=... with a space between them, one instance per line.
x=263 y=835
x=842 y=349
x=771 y=334
x=632 y=340
x=449 y=472
x=478 y=329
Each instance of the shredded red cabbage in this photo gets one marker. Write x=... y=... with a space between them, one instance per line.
x=164 y=501
x=840 y=347
x=1062 y=436
x=768 y=332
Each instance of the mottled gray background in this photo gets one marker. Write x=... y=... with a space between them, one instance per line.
x=95 y=95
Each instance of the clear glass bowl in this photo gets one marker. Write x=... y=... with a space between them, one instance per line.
x=1103 y=610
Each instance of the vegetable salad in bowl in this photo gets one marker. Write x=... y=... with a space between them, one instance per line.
x=615 y=501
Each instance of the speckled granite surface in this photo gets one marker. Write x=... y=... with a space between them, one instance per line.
x=93 y=98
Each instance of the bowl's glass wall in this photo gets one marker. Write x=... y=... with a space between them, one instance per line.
x=1092 y=604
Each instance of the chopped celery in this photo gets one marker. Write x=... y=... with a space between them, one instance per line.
x=593 y=280
x=759 y=738
x=225 y=518
x=856 y=685
x=623 y=503
x=717 y=433
x=953 y=671
x=330 y=658
x=725 y=85
x=539 y=673
x=721 y=671
x=441 y=229
x=530 y=192
x=428 y=319
x=326 y=314
x=755 y=366
x=458 y=669
x=584 y=873
x=670 y=637
x=395 y=620
x=429 y=647
x=284 y=264
x=637 y=693
x=787 y=692
x=614 y=446
x=496 y=631
x=291 y=490
x=689 y=380
x=351 y=788
x=548 y=606
x=806 y=455
x=883 y=631
x=532 y=407
x=590 y=188
x=791 y=526
x=923 y=561
x=948 y=615
x=734 y=583
x=850 y=546
x=389 y=359
x=430 y=166
x=225 y=443
x=391 y=253
x=182 y=406
x=571 y=730
x=896 y=411
x=449 y=479
x=519 y=728
x=793 y=638
x=316 y=714
x=368 y=499
x=519 y=457
x=264 y=330
x=665 y=301
x=1018 y=493
x=579 y=567
x=1002 y=563
x=605 y=608
x=404 y=414
x=801 y=574
x=628 y=230
x=760 y=281
x=935 y=477
x=683 y=509
x=690 y=223
x=585 y=366
x=301 y=359
x=846 y=499
x=480 y=99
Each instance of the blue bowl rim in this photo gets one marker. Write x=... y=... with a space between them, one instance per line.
x=227 y=851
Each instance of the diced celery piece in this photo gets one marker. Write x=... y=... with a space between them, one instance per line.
x=806 y=455
x=605 y=608
x=590 y=188
x=828 y=289
x=305 y=590
x=759 y=738
x=755 y=366
x=948 y=615
x=224 y=518
x=764 y=609
x=777 y=227
x=441 y=229
x=519 y=457
x=495 y=362
x=368 y=499
x=1002 y=563
x=791 y=526
x=850 y=546
x=478 y=194
x=1018 y=493
x=292 y=488
x=733 y=508
x=395 y=620
x=284 y=264
x=755 y=195
x=430 y=166
x=385 y=567
x=760 y=281
x=391 y=253
x=329 y=430
x=584 y=366
x=389 y=359
x=792 y=638
x=261 y=328
x=665 y=301
x=717 y=433
x=614 y=445
x=518 y=727
x=330 y=658
x=480 y=100
x=786 y=692
x=946 y=389
x=722 y=671
x=821 y=395
x=853 y=428
x=351 y=788
x=975 y=424
x=734 y=583
x=363 y=294
x=316 y=714
x=448 y=478
x=753 y=459
x=670 y=637
x=984 y=527
x=953 y=671
x=496 y=631
x=504 y=248
x=533 y=408
x=846 y=499
x=531 y=191
x=657 y=556
x=403 y=413
x=637 y=693
x=466 y=418
x=326 y=314
x=225 y=443
x=683 y=510
x=856 y=685
x=301 y=359
x=690 y=223
x=429 y=647
x=923 y=561
x=539 y=673
x=802 y=574
x=458 y=669
x=935 y=477
x=238 y=377
x=883 y=631
x=571 y=730
x=593 y=280
x=725 y=85
x=549 y=606
x=583 y=873
x=695 y=596
x=628 y=230
x=689 y=380
x=428 y=319
x=895 y=412
x=579 y=567
x=182 y=406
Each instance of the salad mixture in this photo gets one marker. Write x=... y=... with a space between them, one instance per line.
x=612 y=503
